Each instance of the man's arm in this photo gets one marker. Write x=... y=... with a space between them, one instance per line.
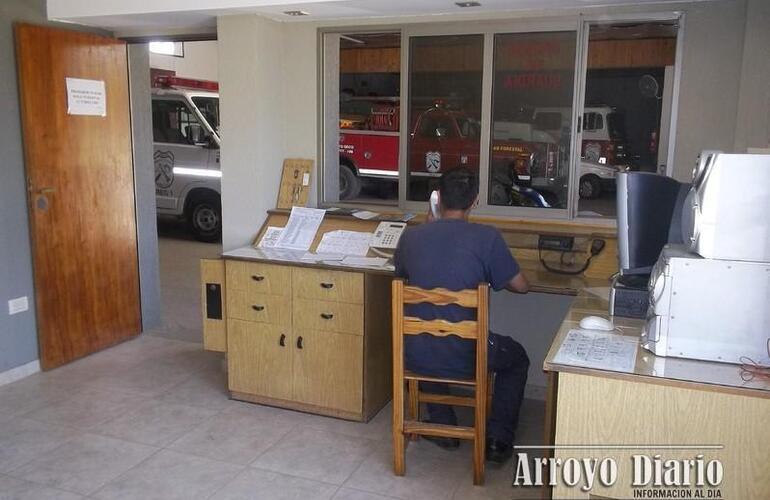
x=518 y=284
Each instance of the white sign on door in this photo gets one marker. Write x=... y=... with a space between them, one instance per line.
x=86 y=97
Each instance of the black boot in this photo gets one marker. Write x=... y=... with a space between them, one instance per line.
x=498 y=452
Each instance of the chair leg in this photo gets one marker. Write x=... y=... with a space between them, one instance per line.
x=399 y=456
x=413 y=398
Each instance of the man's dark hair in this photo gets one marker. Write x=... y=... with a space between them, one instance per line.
x=459 y=188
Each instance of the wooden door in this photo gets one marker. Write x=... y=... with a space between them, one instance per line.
x=81 y=194
x=328 y=370
x=259 y=359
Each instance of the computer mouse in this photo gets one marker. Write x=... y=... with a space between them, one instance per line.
x=596 y=323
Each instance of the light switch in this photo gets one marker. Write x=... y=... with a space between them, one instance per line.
x=17 y=305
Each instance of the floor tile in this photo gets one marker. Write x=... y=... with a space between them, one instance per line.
x=237 y=436
x=88 y=408
x=431 y=473
x=154 y=422
x=316 y=454
x=498 y=485
x=350 y=494
x=168 y=475
x=149 y=378
x=205 y=389
x=23 y=440
x=18 y=489
x=32 y=393
x=84 y=464
x=256 y=484
x=378 y=428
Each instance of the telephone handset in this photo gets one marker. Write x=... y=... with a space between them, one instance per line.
x=387 y=234
x=434 y=205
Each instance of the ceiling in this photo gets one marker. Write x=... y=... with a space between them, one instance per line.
x=173 y=17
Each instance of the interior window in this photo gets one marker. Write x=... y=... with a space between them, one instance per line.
x=209 y=108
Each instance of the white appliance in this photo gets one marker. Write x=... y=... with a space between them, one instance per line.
x=727 y=213
x=714 y=310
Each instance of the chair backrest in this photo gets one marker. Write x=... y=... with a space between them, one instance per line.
x=408 y=325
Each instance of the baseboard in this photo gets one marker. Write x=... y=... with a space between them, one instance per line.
x=19 y=372
x=535 y=392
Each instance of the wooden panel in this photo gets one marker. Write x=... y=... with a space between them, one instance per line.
x=645 y=53
x=323 y=284
x=257 y=363
x=372 y=60
x=214 y=330
x=329 y=316
x=295 y=183
x=440 y=296
x=299 y=406
x=378 y=350
x=255 y=277
x=81 y=194
x=440 y=430
x=440 y=327
x=259 y=307
x=328 y=370
x=603 y=411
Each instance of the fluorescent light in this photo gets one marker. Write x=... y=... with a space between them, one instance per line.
x=166 y=48
x=468 y=4
x=296 y=13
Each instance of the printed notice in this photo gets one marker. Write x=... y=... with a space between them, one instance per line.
x=345 y=243
x=270 y=238
x=86 y=97
x=607 y=351
x=301 y=228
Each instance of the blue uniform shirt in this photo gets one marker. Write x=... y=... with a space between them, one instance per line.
x=456 y=255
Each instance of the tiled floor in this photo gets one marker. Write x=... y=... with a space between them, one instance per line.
x=151 y=419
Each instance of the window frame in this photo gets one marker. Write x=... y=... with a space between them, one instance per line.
x=577 y=23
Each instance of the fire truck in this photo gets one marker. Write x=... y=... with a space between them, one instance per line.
x=185 y=123
x=440 y=138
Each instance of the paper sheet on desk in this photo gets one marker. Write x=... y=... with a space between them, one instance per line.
x=364 y=261
x=345 y=243
x=322 y=257
x=299 y=232
x=270 y=238
x=592 y=349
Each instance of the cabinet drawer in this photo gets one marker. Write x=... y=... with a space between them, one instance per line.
x=329 y=316
x=322 y=284
x=259 y=307
x=256 y=277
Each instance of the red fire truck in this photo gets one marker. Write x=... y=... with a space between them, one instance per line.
x=440 y=139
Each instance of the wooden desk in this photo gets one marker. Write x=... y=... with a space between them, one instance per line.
x=663 y=401
x=317 y=337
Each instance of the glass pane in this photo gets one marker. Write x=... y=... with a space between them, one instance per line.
x=445 y=75
x=531 y=119
x=369 y=86
x=209 y=108
x=173 y=122
x=627 y=94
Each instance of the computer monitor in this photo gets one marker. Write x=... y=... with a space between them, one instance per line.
x=649 y=216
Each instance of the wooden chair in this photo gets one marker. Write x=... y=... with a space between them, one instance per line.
x=473 y=330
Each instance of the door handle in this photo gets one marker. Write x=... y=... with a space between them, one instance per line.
x=258 y=308
x=299 y=342
x=46 y=190
x=327 y=315
x=257 y=278
x=327 y=285
x=282 y=340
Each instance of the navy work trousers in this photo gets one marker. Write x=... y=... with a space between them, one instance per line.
x=508 y=360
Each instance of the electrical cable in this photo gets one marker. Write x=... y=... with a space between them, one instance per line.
x=596 y=247
x=750 y=369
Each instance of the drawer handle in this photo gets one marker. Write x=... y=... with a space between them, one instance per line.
x=299 y=342
x=282 y=341
x=327 y=315
x=257 y=278
x=258 y=308
x=327 y=285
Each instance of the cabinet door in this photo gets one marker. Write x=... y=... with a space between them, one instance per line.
x=259 y=359
x=328 y=369
x=213 y=304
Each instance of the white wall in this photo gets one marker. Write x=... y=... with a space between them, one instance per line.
x=199 y=61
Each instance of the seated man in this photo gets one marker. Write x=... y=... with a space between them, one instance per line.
x=450 y=252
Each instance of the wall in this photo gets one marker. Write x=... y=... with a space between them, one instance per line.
x=199 y=61
x=144 y=181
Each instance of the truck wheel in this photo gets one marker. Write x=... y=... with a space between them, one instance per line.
x=205 y=218
x=350 y=184
x=590 y=187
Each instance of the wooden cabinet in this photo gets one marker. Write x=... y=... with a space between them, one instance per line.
x=312 y=339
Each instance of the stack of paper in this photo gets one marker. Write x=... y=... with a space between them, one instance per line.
x=344 y=243
x=299 y=232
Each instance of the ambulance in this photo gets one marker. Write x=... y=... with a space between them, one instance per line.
x=186 y=141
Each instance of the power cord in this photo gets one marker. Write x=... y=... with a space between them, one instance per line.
x=751 y=369
x=596 y=248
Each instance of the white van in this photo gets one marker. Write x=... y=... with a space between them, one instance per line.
x=185 y=123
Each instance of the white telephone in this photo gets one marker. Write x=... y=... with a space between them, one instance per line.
x=387 y=234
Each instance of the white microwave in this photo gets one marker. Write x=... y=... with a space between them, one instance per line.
x=727 y=212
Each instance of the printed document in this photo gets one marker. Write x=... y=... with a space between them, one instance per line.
x=345 y=243
x=608 y=351
x=301 y=228
x=270 y=238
